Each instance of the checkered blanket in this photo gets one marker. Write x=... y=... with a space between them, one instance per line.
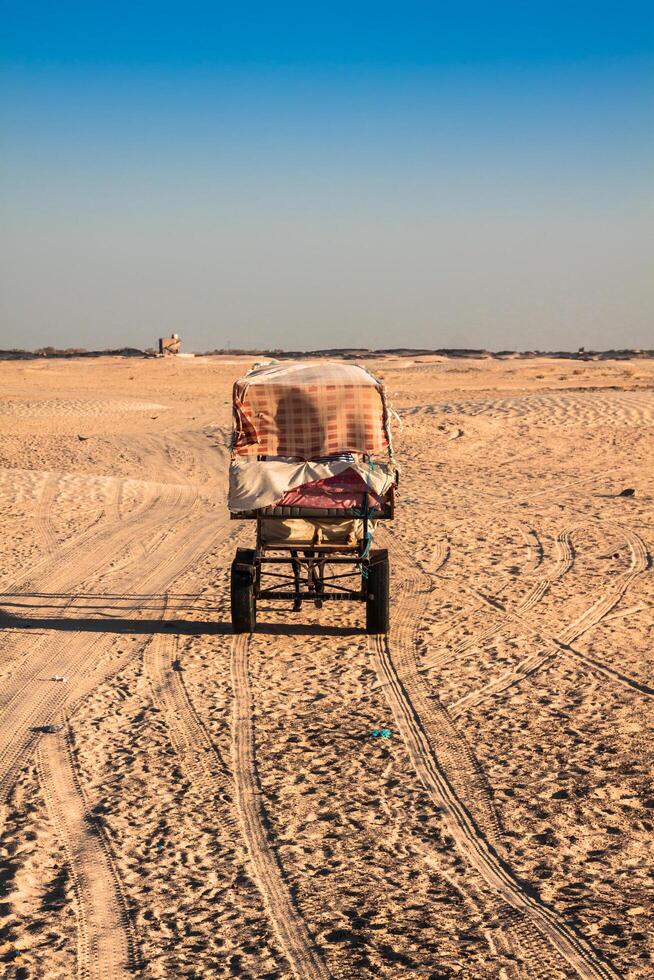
x=308 y=410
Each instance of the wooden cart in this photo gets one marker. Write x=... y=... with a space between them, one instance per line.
x=299 y=428
x=313 y=572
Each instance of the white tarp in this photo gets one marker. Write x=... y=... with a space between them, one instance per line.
x=261 y=483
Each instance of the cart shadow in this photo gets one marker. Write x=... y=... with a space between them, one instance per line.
x=110 y=625
x=38 y=611
x=181 y=601
x=183 y=627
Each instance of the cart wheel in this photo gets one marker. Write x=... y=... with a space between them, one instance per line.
x=244 y=603
x=377 y=603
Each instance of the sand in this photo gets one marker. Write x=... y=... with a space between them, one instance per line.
x=211 y=806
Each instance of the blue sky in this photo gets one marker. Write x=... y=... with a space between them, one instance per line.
x=304 y=175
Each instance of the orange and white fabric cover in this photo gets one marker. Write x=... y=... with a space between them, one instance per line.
x=308 y=409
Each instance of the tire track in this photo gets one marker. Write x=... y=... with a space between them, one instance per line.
x=106 y=946
x=42 y=520
x=72 y=407
x=505 y=681
x=113 y=501
x=563 y=407
x=565 y=554
x=159 y=508
x=640 y=563
x=206 y=768
x=54 y=647
x=171 y=568
x=631 y=611
x=106 y=943
x=56 y=571
x=562 y=642
x=534 y=546
x=201 y=759
x=292 y=933
x=213 y=786
x=563 y=561
x=182 y=534
x=411 y=711
x=111 y=532
x=441 y=555
x=32 y=700
x=406 y=619
x=471 y=843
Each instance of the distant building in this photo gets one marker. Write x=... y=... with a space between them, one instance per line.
x=169 y=345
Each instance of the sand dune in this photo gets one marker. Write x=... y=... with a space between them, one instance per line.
x=177 y=802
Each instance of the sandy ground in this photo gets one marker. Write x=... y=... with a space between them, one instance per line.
x=215 y=807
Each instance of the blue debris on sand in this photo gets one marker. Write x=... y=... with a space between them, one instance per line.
x=380 y=733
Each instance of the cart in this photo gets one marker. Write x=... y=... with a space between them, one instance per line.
x=304 y=553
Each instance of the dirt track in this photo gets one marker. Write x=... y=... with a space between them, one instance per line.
x=216 y=807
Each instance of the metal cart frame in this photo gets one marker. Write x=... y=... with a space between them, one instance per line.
x=308 y=579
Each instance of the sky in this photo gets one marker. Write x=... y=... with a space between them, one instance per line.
x=310 y=175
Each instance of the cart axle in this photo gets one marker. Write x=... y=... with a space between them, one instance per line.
x=312 y=596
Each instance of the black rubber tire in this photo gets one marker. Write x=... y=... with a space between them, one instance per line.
x=244 y=603
x=378 y=587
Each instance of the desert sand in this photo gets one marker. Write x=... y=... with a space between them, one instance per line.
x=206 y=805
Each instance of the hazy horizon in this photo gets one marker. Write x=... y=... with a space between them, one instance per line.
x=302 y=179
